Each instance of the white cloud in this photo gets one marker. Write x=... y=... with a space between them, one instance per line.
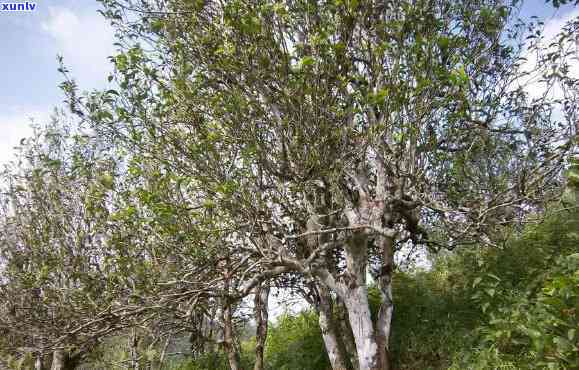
x=85 y=40
x=16 y=125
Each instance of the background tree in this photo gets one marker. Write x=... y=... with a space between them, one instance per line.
x=54 y=288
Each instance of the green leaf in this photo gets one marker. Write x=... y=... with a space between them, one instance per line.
x=563 y=345
x=106 y=181
x=443 y=42
x=121 y=62
x=485 y=306
x=307 y=61
x=157 y=25
x=54 y=163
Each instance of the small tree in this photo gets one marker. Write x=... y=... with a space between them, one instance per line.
x=53 y=286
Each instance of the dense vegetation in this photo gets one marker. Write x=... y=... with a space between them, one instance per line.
x=251 y=148
x=510 y=307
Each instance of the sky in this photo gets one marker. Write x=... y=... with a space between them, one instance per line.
x=30 y=43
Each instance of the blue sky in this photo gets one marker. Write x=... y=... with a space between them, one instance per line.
x=29 y=43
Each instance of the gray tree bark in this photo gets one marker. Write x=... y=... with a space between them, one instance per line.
x=38 y=365
x=62 y=361
x=58 y=360
x=164 y=352
x=384 y=320
x=346 y=334
x=330 y=332
x=356 y=300
x=229 y=339
x=133 y=344
x=261 y=319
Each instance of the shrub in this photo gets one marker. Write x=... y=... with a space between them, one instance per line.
x=296 y=343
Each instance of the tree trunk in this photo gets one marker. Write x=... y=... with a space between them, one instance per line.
x=38 y=365
x=346 y=334
x=356 y=300
x=62 y=361
x=384 y=321
x=362 y=328
x=333 y=342
x=261 y=320
x=134 y=350
x=58 y=360
x=228 y=339
x=334 y=346
x=164 y=352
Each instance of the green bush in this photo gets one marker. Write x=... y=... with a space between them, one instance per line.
x=529 y=295
x=296 y=343
x=431 y=320
x=209 y=361
x=217 y=360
